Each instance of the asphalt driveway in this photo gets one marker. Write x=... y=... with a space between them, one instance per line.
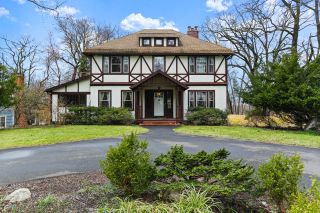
x=31 y=163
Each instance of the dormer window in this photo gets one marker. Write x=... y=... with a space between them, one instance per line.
x=146 y=41
x=158 y=42
x=171 y=42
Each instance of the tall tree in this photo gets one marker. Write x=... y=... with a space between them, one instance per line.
x=8 y=88
x=21 y=56
x=79 y=34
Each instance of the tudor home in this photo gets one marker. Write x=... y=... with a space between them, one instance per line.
x=157 y=74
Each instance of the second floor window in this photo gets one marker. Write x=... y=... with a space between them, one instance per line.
x=171 y=42
x=125 y=68
x=115 y=64
x=192 y=65
x=146 y=42
x=158 y=63
x=201 y=64
x=158 y=42
x=105 y=65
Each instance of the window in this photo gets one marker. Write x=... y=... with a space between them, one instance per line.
x=192 y=65
x=201 y=64
x=192 y=103
x=2 y=122
x=146 y=41
x=171 y=42
x=115 y=64
x=104 y=97
x=203 y=98
x=127 y=99
x=125 y=61
x=211 y=64
x=211 y=99
x=158 y=63
x=105 y=67
x=73 y=99
x=158 y=42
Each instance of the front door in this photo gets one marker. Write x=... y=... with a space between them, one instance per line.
x=159 y=104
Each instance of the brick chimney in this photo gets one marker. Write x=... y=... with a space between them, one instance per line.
x=193 y=31
x=20 y=116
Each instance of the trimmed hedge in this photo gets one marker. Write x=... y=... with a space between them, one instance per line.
x=207 y=116
x=98 y=115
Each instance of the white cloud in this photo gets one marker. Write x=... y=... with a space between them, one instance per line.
x=136 y=21
x=218 y=5
x=4 y=11
x=61 y=11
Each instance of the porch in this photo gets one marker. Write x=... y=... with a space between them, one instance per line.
x=159 y=100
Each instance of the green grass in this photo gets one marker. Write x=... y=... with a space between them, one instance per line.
x=12 y=138
x=299 y=138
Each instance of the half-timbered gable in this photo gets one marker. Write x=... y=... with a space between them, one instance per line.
x=193 y=73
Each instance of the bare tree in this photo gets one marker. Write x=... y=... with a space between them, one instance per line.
x=52 y=5
x=79 y=34
x=21 y=56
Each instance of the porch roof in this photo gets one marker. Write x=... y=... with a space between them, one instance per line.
x=183 y=86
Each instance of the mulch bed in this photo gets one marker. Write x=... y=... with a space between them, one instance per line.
x=66 y=186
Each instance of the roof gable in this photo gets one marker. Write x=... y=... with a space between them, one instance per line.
x=157 y=73
x=130 y=45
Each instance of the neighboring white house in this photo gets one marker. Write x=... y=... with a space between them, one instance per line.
x=158 y=74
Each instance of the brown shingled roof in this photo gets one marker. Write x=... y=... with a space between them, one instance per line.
x=130 y=45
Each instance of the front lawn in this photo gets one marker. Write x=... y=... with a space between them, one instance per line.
x=299 y=138
x=12 y=138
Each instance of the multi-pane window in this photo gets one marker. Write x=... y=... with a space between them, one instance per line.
x=211 y=99
x=203 y=98
x=2 y=122
x=192 y=98
x=201 y=63
x=158 y=42
x=125 y=61
x=158 y=63
x=73 y=99
x=211 y=64
x=127 y=99
x=146 y=42
x=105 y=66
x=192 y=68
x=171 y=42
x=115 y=64
x=104 y=97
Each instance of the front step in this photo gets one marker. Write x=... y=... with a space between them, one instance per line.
x=159 y=123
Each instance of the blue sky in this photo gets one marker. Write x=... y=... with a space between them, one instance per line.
x=19 y=17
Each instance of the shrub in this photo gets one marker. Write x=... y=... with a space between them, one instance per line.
x=279 y=178
x=116 y=116
x=307 y=201
x=98 y=115
x=207 y=116
x=212 y=171
x=128 y=165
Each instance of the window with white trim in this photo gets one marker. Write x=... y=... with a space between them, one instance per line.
x=192 y=68
x=104 y=98
x=127 y=99
x=211 y=64
x=2 y=122
x=201 y=64
x=158 y=63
